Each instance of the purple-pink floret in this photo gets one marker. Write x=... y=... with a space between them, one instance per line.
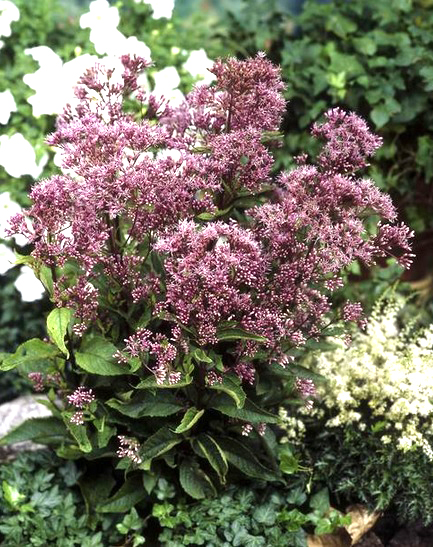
x=81 y=397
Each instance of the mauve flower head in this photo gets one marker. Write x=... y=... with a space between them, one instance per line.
x=163 y=186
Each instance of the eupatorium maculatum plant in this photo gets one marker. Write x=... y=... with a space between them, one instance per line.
x=184 y=277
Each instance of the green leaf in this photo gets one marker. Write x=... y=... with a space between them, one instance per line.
x=150 y=383
x=95 y=486
x=57 y=325
x=201 y=356
x=78 y=432
x=194 y=481
x=157 y=444
x=427 y=73
x=31 y=356
x=250 y=412
x=11 y=494
x=130 y=493
x=39 y=430
x=224 y=334
x=380 y=115
x=320 y=501
x=96 y=357
x=191 y=417
x=147 y=404
x=232 y=389
x=243 y=459
x=206 y=446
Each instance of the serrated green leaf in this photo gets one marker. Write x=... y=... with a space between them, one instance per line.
x=201 y=356
x=157 y=444
x=250 y=412
x=130 y=493
x=232 y=389
x=242 y=458
x=238 y=334
x=31 y=356
x=78 y=432
x=57 y=325
x=147 y=404
x=96 y=356
x=191 y=417
x=206 y=446
x=150 y=383
x=194 y=481
x=39 y=430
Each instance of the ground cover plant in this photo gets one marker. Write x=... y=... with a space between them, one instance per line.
x=180 y=269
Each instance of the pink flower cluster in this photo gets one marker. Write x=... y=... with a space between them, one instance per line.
x=168 y=187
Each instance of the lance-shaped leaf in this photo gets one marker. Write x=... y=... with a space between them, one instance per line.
x=47 y=430
x=191 y=417
x=78 y=432
x=194 y=481
x=227 y=334
x=57 y=326
x=159 y=443
x=147 y=404
x=232 y=389
x=242 y=458
x=250 y=412
x=150 y=383
x=129 y=494
x=206 y=446
x=96 y=356
x=32 y=356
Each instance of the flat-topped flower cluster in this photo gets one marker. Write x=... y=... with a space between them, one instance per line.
x=179 y=184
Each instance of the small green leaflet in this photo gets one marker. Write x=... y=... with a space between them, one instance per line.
x=194 y=481
x=129 y=494
x=57 y=325
x=78 y=432
x=238 y=334
x=206 y=446
x=191 y=417
x=96 y=357
x=44 y=430
x=250 y=412
x=157 y=444
x=232 y=389
x=150 y=383
x=32 y=356
x=242 y=458
x=147 y=404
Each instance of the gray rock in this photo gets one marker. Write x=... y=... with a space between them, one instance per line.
x=14 y=413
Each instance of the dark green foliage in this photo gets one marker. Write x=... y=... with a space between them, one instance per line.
x=357 y=466
x=247 y=517
x=40 y=505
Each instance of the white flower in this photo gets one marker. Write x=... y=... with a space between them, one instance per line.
x=198 y=64
x=18 y=157
x=100 y=15
x=7 y=259
x=102 y=20
x=29 y=285
x=161 y=8
x=54 y=81
x=166 y=83
x=8 y=14
x=7 y=105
